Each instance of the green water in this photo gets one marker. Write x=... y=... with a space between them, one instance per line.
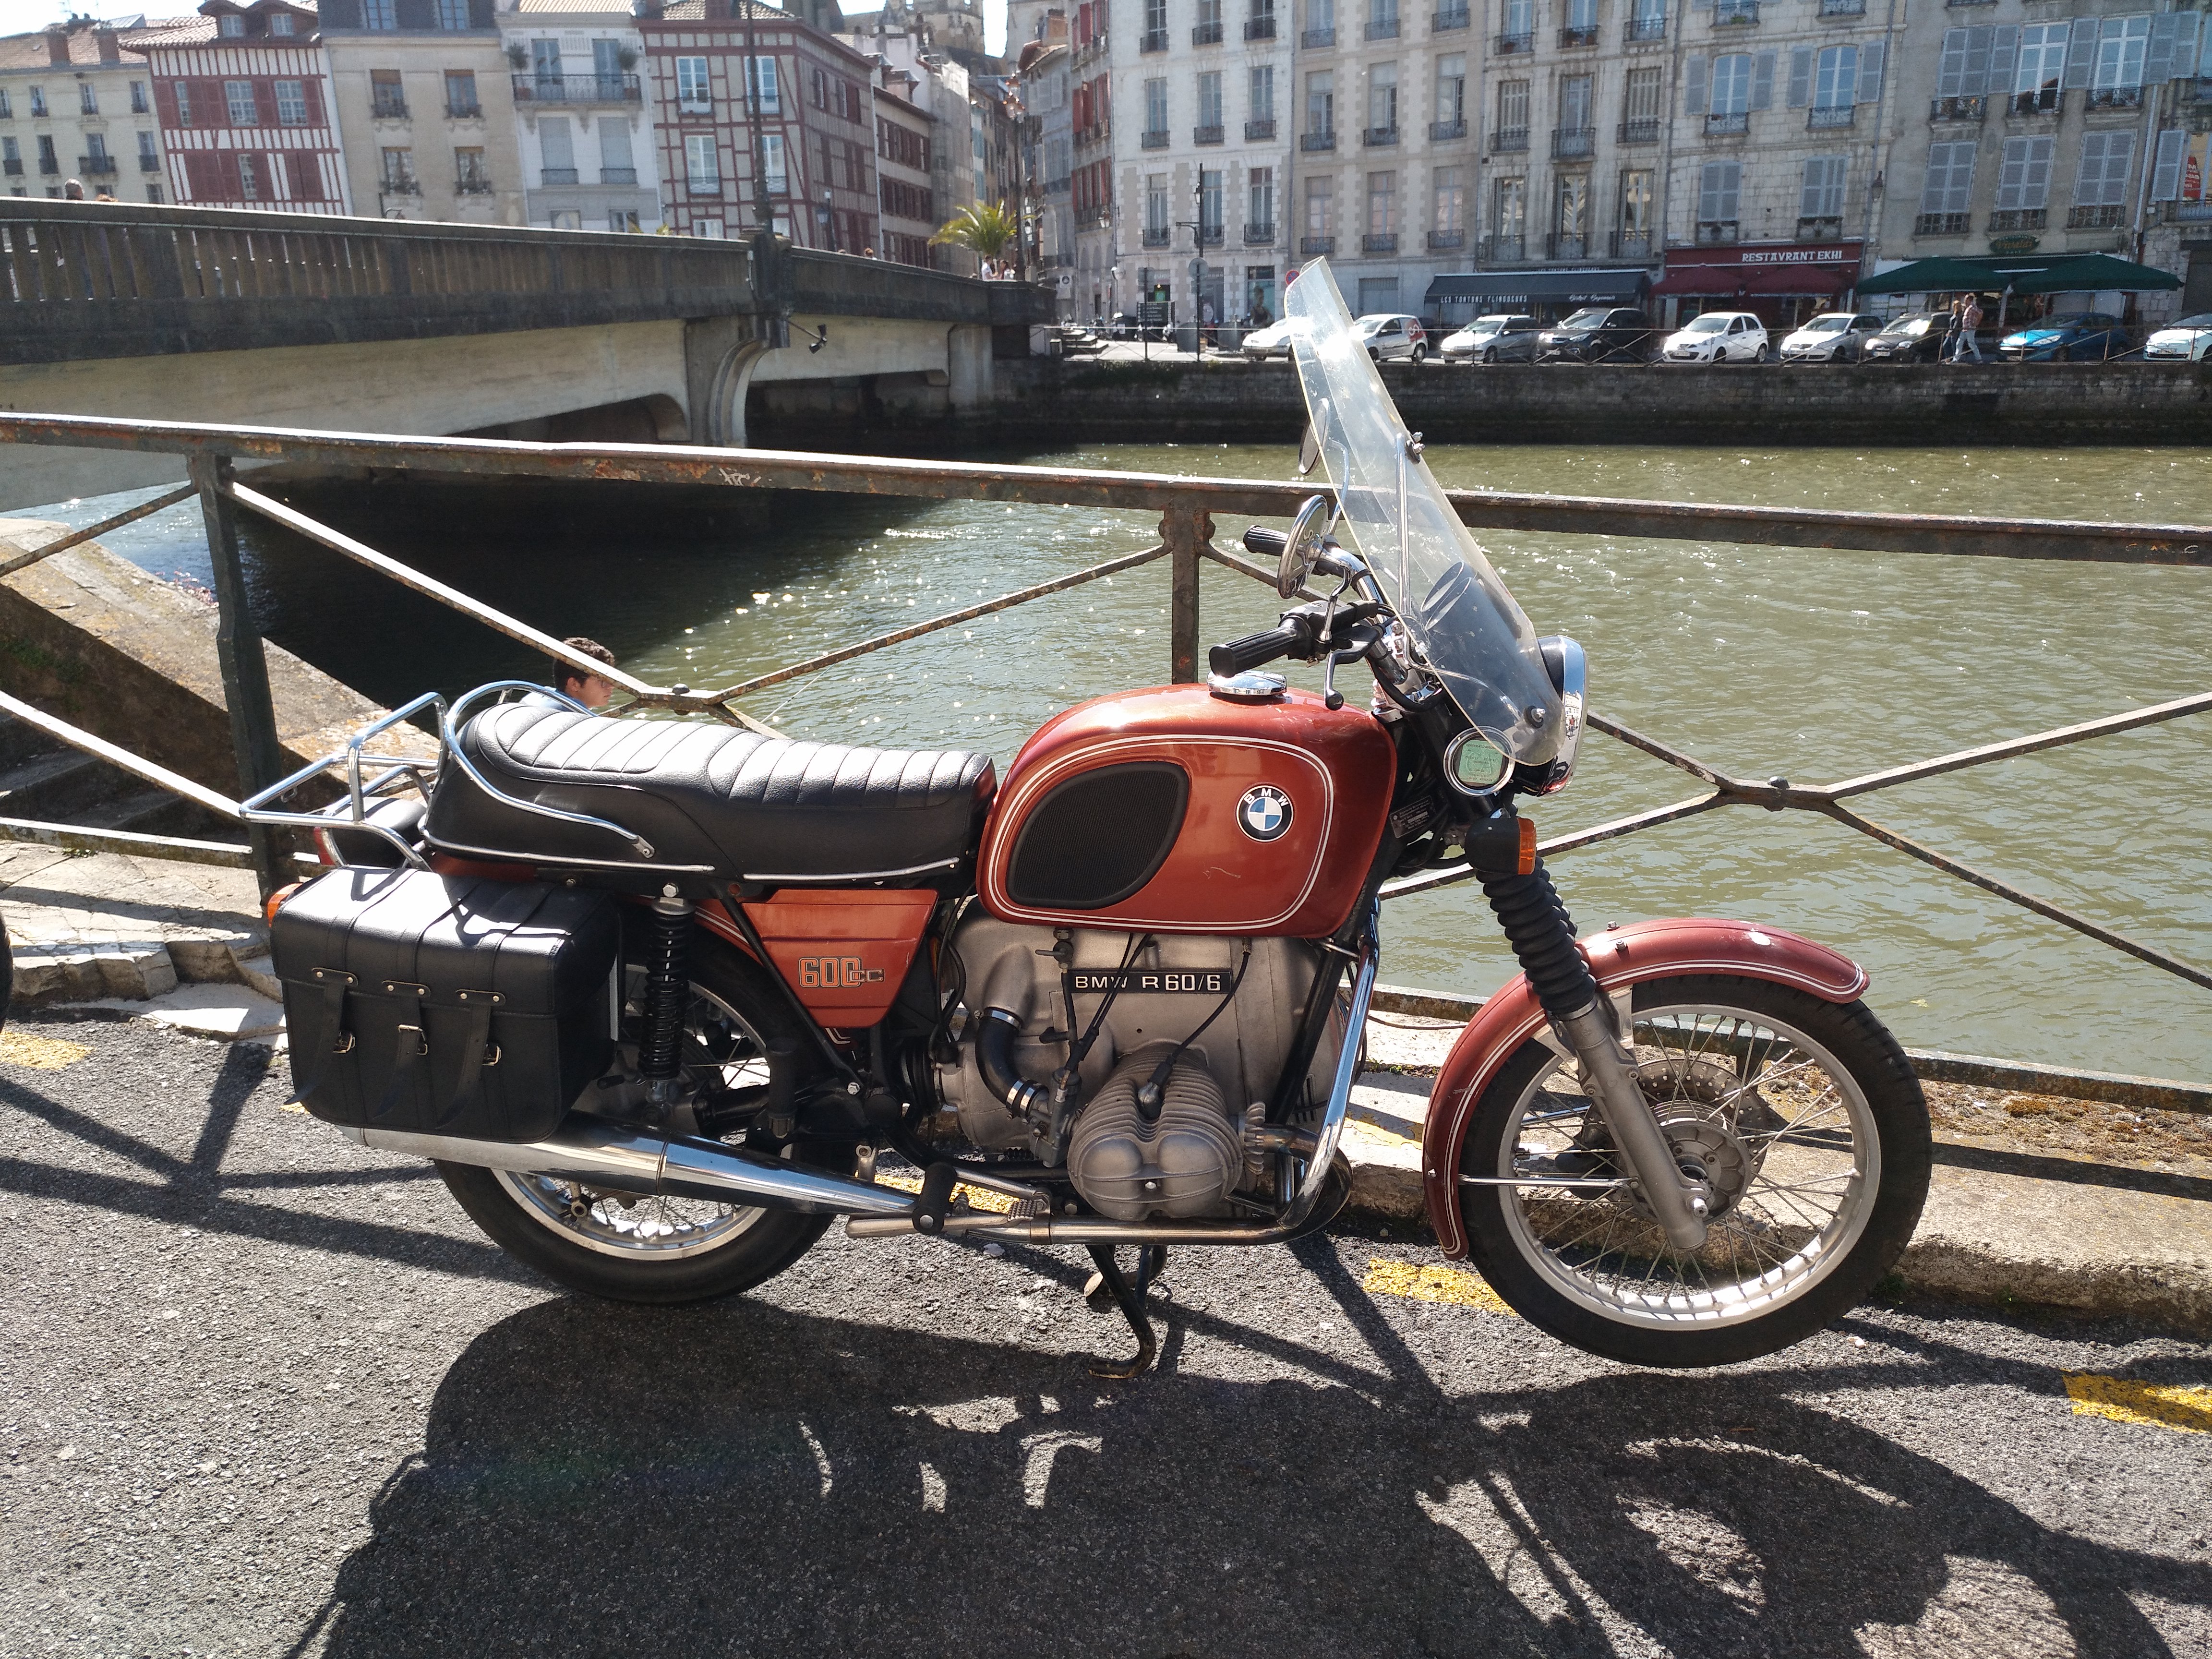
x=1817 y=666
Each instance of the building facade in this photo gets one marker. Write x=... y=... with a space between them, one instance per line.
x=72 y=107
x=242 y=93
x=424 y=111
x=1099 y=292
x=906 y=185
x=574 y=71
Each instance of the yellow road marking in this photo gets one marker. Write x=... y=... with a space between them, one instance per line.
x=1433 y=1283
x=39 y=1054
x=2162 y=1404
x=977 y=1197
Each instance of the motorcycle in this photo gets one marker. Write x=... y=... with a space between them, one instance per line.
x=660 y=998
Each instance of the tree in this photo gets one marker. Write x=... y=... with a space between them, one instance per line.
x=987 y=230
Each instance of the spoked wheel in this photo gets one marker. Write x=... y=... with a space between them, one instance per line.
x=661 y=1250
x=1801 y=1120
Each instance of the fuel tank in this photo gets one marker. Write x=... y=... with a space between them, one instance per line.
x=1172 y=811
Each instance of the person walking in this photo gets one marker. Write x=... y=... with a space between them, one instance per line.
x=1970 y=322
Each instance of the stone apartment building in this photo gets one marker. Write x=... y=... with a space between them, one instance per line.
x=423 y=109
x=1046 y=89
x=906 y=182
x=936 y=86
x=71 y=106
x=1096 y=289
x=574 y=71
x=242 y=94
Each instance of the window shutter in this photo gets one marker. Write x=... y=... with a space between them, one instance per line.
x=2004 y=53
x=1693 y=87
x=1977 y=76
x=2011 y=174
x=1870 y=58
x=2158 y=59
x=2080 y=54
x=1801 y=77
x=2187 y=25
x=2038 y=172
x=1708 y=192
x=1951 y=67
x=1731 y=187
x=1762 y=81
x=2165 y=170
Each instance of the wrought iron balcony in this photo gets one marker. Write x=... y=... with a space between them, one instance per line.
x=1316 y=40
x=2108 y=218
x=1316 y=247
x=402 y=184
x=1823 y=230
x=1379 y=138
x=1509 y=138
x=1504 y=247
x=1451 y=17
x=1156 y=140
x=1441 y=130
x=1643 y=131
x=1941 y=224
x=1716 y=233
x=1153 y=41
x=388 y=105
x=1379 y=241
x=1211 y=235
x=1158 y=237
x=1969 y=107
x=1644 y=28
x=1317 y=141
x=472 y=184
x=2019 y=219
x=1631 y=244
x=1822 y=116
x=13 y=167
x=1206 y=134
x=146 y=164
x=49 y=164
x=1843 y=8
x=577 y=90
x=1205 y=34
x=1732 y=14
x=616 y=176
x=1258 y=236
x=1569 y=143
x=1579 y=36
x=1382 y=29
x=470 y=111
x=2116 y=97
x=1507 y=45
x=1260 y=29
x=1559 y=245
x=1727 y=124
x=2044 y=101
x=559 y=176
x=1441 y=241
x=1257 y=132
x=103 y=166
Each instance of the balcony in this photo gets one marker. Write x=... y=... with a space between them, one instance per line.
x=1941 y=224
x=1572 y=143
x=472 y=111
x=1211 y=235
x=1826 y=229
x=1503 y=247
x=1443 y=241
x=2044 y=101
x=1734 y=14
x=1316 y=247
x=2109 y=217
x=1643 y=130
x=1317 y=141
x=1452 y=17
x=13 y=167
x=386 y=106
x=1843 y=8
x=1644 y=29
x=2115 y=98
x=1379 y=138
x=1579 y=36
x=695 y=106
x=1157 y=140
x=1381 y=29
x=1258 y=132
x=146 y=164
x=1509 y=138
x=1728 y=124
x=1153 y=41
x=1206 y=134
x=550 y=176
x=1822 y=117
x=402 y=184
x=1508 y=46
x=472 y=184
x=1969 y=2
x=618 y=175
x=1259 y=28
x=1439 y=132
x=1379 y=241
x=1631 y=244
x=1716 y=233
x=1317 y=39
x=704 y=184
x=1561 y=245
x=1205 y=34
x=2019 y=219
x=1158 y=237
x=101 y=165
x=1971 y=107
x=1258 y=236
x=50 y=165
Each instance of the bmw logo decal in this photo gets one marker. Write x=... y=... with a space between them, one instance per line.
x=1264 y=813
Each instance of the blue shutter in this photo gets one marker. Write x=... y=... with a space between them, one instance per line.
x=1801 y=77
x=1762 y=81
x=2004 y=55
x=2158 y=57
x=1870 y=57
x=2080 y=54
x=2165 y=170
x=1693 y=87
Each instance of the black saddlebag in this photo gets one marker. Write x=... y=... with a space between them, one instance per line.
x=444 y=1005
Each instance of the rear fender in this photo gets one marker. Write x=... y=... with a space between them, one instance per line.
x=1620 y=957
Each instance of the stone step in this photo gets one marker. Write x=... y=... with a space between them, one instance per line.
x=58 y=787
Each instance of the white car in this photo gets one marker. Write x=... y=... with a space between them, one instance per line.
x=2188 y=340
x=1273 y=341
x=1833 y=336
x=1718 y=336
x=1393 y=334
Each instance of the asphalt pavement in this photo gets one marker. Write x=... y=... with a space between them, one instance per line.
x=262 y=1392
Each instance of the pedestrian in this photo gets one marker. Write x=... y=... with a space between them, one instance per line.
x=73 y=191
x=592 y=691
x=1206 y=334
x=1970 y=320
x=106 y=194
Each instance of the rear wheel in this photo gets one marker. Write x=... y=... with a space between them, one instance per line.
x=1759 y=355
x=1802 y=1120
x=1420 y=354
x=663 y=1250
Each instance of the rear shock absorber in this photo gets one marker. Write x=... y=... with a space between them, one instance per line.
x=667 y=992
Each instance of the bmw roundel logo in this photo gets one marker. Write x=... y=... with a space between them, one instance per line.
x=1264 y=813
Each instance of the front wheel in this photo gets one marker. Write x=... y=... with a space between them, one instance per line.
x=1802 y=1118
x=1490 y=357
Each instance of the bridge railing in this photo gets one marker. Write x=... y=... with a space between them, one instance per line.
x=1187 y=507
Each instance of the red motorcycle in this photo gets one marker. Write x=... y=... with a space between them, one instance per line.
x=658 y=996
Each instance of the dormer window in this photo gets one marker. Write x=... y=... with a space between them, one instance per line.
x=280 y=22
x=230 y=25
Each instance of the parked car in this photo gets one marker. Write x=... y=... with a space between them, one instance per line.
x=1917 y=338
x=1273 y=341
x=2189 y=341
x=1599 y=334
x=1718 y=336
x=1500 y=339
x=1392 y=334
x=1833 y=336
x=2085 y=337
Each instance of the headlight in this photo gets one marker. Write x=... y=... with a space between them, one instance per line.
x=1568 y=669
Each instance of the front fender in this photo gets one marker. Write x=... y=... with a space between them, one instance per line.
x=1618 y=957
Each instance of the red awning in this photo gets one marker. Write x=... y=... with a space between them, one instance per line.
x=1733 y=281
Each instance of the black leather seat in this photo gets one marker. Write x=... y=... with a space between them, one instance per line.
x=707 y=795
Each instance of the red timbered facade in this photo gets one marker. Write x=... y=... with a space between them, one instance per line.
x=242 y=92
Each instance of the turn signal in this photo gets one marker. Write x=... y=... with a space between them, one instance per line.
x=1503 y=843
x=278 y=900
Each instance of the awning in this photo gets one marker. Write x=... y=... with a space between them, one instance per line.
x=2023 y=273
x=1505 y=289
x=1738 y=282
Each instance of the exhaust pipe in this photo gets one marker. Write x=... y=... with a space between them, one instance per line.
x=597 y=1153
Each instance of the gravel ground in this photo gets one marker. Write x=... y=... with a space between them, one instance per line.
x=264 y=1393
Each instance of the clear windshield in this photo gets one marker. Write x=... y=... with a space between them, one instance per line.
x=1827 y=324
x=1591 y=317
x=1474 y=636
x=1707 y=325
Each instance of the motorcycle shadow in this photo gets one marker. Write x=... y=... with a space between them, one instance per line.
x=745 y=1479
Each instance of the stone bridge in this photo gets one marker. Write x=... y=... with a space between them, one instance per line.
x=375 y=325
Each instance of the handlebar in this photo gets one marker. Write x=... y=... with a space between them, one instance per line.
x=1287 y=637
x=1267 y=543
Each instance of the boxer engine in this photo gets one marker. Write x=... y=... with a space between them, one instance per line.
x=1166 y=1115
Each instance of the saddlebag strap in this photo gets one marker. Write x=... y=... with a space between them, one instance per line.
x=329 y=1036
x=410 y=1049
x=466 y=1061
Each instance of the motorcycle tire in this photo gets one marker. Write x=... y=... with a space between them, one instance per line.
x=1730 y=1065
x=652 y=1250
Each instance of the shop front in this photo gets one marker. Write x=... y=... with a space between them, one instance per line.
x=1458 y=297
x=1783 y=283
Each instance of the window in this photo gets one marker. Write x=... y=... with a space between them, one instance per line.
x=2121 y=44
x=1321 y=102
x=1731 y=85
x=1208 y=29
x=8 y=105
x=461 y=93
x=153 y=194
x=230 y=26
x=1582 y=24
x=183 y=95
x=623 y=219
x=1448 y=202
x=566 y=219
x=1642 y=103
x=1209 y=205
x=48 y=161
x=249 y=179
x=693 y=94
x=87 y=99
x=39 y=101
x=1321 y=17
x=387 y=95
x=1260 y=182
x=1261 y=93
x=710 y=229
x=702 y=169
x=2042 y=64
x=452 y=14
x=2024 y=174
x=779 y=183
x=280 y=22
x=138 y=103
x=1508 y=212
x=1822 y=195
x=1156 y=205
x=1382 y=98
x=1209 y=100
x=398 y=170
x=1948 y=190
x=1575 y=103
x=1382 y=203
x=1513 y=112
x=607 y=66
x=1835 y=77
x=1520 y=19
x=1636 y=202
x=1321 y=208
x=238 y=97
x=617 y=164
x=1156 y=25
x=469 y=176
x=1382 y=19
x=2103 y=179
x=1719 y=185
x=760 y=86
x=149 y=155
x=1571 y=207
x=291 y=104
x=379 y=14
x=95 y=144
x=1451 y=92
x=1156 y=105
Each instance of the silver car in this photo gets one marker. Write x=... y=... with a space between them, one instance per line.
x=1504 y=338
x=1833 y=336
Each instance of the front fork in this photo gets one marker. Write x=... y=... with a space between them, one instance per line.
x=1542 y=935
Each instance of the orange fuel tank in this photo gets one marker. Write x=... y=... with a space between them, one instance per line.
x=1177 y=812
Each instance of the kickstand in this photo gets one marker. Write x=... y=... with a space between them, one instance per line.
x=1130 y=1298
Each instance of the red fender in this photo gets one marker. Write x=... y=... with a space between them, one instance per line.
x=1618 y=957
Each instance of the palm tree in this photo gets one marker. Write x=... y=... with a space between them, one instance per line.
x=987 y=230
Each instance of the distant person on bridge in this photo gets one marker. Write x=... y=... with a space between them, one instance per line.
x=73 y=191
x=592 y=691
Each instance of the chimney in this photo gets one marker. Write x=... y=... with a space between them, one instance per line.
x=109 y=51
x=57 y=46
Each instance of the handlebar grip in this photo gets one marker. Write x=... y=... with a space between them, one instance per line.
x=1255 y=649
x=1267 y=543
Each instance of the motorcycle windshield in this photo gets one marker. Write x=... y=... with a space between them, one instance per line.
x=1477 y=641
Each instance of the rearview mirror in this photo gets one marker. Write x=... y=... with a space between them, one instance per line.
x=1308 y=450
x=1302 y=547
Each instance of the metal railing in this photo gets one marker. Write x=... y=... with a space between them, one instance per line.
x=1189 y=509
x=577 y=90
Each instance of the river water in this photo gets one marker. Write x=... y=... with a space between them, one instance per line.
x=1762 y=661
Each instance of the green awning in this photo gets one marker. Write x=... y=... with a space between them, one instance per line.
x=1937 y=276
x=2095 y=273
x=2023 y=273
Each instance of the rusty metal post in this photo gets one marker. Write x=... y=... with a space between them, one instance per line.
x=238 y=653
x=1186 y=528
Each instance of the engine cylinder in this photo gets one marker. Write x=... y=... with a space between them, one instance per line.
x=1183 y=1164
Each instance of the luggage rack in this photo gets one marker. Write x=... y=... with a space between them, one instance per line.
x=401 y=772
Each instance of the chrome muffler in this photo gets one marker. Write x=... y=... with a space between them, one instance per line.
x=610 y=1157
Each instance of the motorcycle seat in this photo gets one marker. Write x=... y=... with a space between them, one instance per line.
x=707 y=796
